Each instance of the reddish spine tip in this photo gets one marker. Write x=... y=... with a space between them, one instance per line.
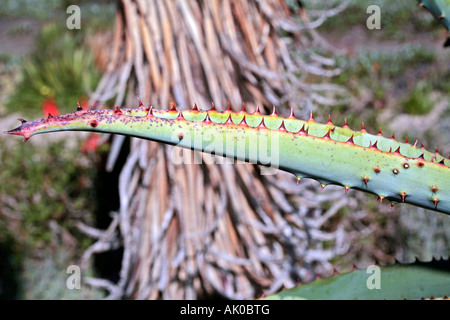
x=140 y=102
x=379 y=132
x=363 y=127
x=436 y=150
x=282 y=127
x=79 y=107
x=375 y=145
x=180 y=115
x=172 y=107
x=229 y=121
x=150 y=111
x=229 y=107
x=274 y=111
x=350 y=141
x=262 y=125
x=406 y=139
x=393 y=136
x=403 y=195
x=380 y=198
x=434 y=189
x=303 y=131
x=243 y=122
x=366 y=180
x=346 y=189
x=435 y=200
x=327 y=135
x=195 y=108
x=311 y=117
x=415 y=144
x=291 y=115
x=397 y=151
x=213 y=107
x=256 y=112
x=207 y=119
x=345 y=124
x=421 y=146
x=22 y=120
x=322 y=186
x=329 y=120
x=117 y=110
x=243 y=108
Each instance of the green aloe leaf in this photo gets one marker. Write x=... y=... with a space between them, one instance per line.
x=395 y=282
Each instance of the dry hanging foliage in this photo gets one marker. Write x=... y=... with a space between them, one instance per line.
x=192 y=230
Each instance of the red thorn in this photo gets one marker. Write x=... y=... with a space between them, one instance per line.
x=329 y=120
x=322 y=186
x=397 y=151
x=140 y=103
x=150 y=111
x=366 y=179
x=180 y=115
x=442 y=162
x=195 y=108
x=207 y=120
x=350 y=141
x=229 y=121
x=117 y=110
x=282 y=127
x=229 y=107
x=345 y=124
x=298 y=179
x=262 y=124
x=379 y=132
x=406 y=139
x=243 y=122
x=435 y=200
x=79 y=107
x=243 y=108
x=172 y=107
x=22 y=120
x=256 y=112
x=421 y=157
x=421 y=146
x=380 y=198
x=375 y=145
x=434 y=189
x=303 y=131
x=436 y=150
x=291 y=115
x=363 y=128
x=213 y=107
x=393 y=136
x=346 y=189
x=391 y=206
x=274 y=111
x=415 y=144
x=311 y=117
x=327 y=135
x=403 y=194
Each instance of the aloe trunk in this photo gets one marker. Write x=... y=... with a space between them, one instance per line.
x=399 y=172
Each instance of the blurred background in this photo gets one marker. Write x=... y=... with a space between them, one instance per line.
x=140 y=226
